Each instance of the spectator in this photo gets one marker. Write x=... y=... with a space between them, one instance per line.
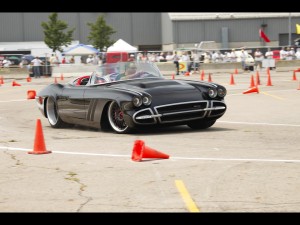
x=196 y=61
x=152 y=57
x=36 y=67
x=243 y=59
x=233 y=56
x=89 y=60
x=95 y=60
x=186 y=58
x=291 y=54
x=52 y=58
x=139 y=57
x=145 y=57
x=258 y=58
x=217 y=57
x=283 y=54
x=72 y=60
x=176 y=62
x=207 y=57
x=131 y=58
x=169 y=56
x=298 y=53
x=269 y=54
x=162 y=57
x=6 y=62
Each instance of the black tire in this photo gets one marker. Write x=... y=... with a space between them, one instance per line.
x=116 y=120
x=201 y=124
x=52 y=114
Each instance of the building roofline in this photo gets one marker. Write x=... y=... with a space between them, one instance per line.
x=229 y=15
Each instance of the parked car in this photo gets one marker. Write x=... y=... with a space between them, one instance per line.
x=127 y=96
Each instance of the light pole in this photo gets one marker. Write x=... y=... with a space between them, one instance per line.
x=290 y=35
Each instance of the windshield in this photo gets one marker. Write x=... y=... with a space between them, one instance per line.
x=111 y=72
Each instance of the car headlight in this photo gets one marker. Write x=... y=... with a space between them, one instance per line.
x=221 y=92
x=137 y=101
x=146 y=100
x=212 y=93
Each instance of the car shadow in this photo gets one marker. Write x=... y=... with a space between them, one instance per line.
x=177 y=130
x=146 y=131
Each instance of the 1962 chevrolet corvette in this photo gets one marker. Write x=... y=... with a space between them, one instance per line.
x=127 y=96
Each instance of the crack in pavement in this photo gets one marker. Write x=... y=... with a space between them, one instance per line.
x=13 y=157
x=82 y=186
x=71 y=177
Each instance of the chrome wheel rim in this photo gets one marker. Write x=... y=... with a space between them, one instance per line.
x=51 y=111
x=115 y=117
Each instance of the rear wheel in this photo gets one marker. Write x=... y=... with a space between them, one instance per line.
x=52 y=114
x=201 y=124
x=116 y=119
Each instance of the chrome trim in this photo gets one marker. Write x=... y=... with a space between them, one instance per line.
x=153 y=116
x=147 y=117
x=216 y=108
x=129 y=90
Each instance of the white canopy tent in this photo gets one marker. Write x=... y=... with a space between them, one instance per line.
x=81 y=49
x=121 y=46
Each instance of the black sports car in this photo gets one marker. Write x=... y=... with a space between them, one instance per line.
x=128 y=96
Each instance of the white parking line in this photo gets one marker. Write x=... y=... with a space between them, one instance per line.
x=18 y=100
x=264 y=124
x=176 y=158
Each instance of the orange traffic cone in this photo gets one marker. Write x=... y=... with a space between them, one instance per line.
x=14 y=83
x=173 y=77
x=39 y=142
x=257 y=78
x=28 y=79
x=252 y=90
x=141 y=151
x=1 y=80
x=31 y=94
x=55 y=80
x=268 y=70
x=202 y=75
x=294 y=75
x=236 y=71
x=252 y=82
x=269 y=82
x=231 y=80
x=187 y=73
x=209 y=78
x=61 y=76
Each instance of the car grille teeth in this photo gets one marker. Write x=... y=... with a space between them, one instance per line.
x=179 y=112
x=182 y=111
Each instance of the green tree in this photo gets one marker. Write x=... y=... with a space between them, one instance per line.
x=55 y=37
x=100 y=34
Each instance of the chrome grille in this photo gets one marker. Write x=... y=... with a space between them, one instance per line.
x=181 y=111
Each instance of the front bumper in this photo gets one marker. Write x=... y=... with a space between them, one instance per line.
x=180 y=112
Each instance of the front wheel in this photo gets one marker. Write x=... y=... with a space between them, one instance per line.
x=52 y=114
x=201 y=124
x=116 y=119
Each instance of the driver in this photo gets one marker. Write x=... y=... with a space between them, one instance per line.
x=131 y=70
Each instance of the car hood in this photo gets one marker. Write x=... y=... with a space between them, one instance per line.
x=172 y=89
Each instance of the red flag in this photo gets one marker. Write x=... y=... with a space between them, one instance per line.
x=263 y=35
